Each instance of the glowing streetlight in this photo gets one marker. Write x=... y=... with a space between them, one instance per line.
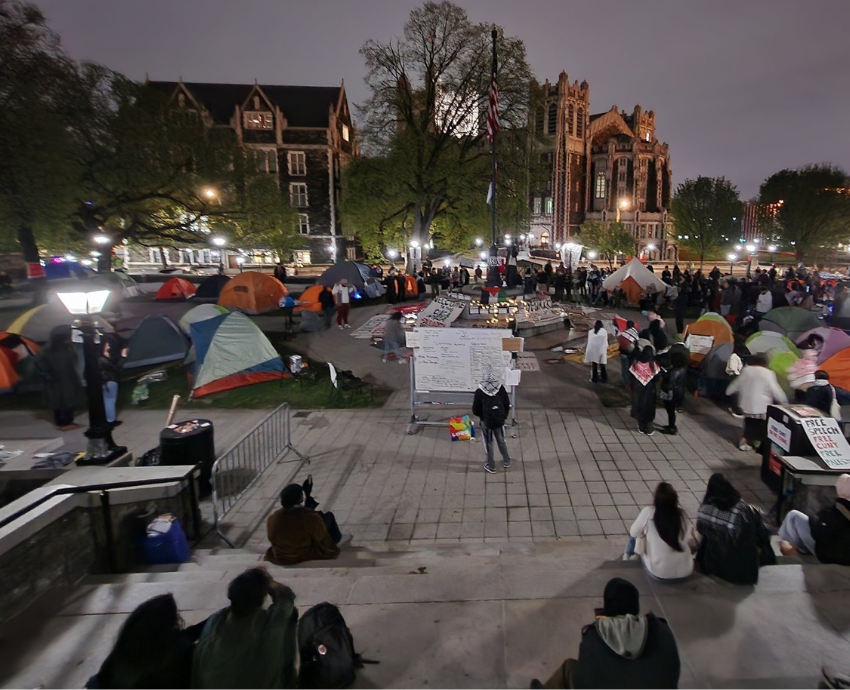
x=756 y=240
x=219 y=241
x=751 y=248
x=622 y=205
x=732 y=258
x=95 y=255
x=414 y=244
x=447 y=263
x=507 y=237
x=650 y=247
x=737 y=247
x=507 y=243
x=592 y=255
x=771 y=248
x=483 y=256
x=478 y=241
x=102 y=239
x=522 y=238
x=209 y=193
x=392 y=253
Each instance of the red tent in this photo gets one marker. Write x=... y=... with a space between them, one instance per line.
x=176 y=289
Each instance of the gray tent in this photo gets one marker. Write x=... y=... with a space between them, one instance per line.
x=356 y=273
x=157 y=340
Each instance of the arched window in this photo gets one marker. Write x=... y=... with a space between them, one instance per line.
x=570 y=118
x=600 y=185
x=580 y=123
x=544 y=239
x=538 y=121
x=553 y=117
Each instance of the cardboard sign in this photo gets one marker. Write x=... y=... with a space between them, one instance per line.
x=779 y=434
x=828 y=441
x=699 y=344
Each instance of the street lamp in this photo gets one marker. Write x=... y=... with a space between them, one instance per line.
x=592 y=255
x=751 y=248
x=392 y=253
x=240 y=261
x=771 y=248
x=649 y=249
x=102 y=239
x=732 y=258
x=478 y=242
x=209 y=193
x=622 y=205
x=84 y=304
x=219 y=241
x=483 y=256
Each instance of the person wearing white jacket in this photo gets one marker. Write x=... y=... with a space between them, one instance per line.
x=596 y=352
x=664 y=537
x=756 y=388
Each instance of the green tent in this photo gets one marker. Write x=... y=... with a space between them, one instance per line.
x=790 y=321
x=771 y=342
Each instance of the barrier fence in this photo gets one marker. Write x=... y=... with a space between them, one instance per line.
x=239 y=468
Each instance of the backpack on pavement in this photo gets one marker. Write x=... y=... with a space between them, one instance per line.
x=326 y=648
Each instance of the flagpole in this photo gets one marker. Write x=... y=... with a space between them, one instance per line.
x=494 y=34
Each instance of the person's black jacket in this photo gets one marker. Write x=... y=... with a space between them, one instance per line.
x=736 y=559
x=478 y=401
x=658 y=666
x=681 y=303
x=831 y=532
x=326 y=299
x=674 y=381
x=110 y=368
x=820 y=397
x=658 y=336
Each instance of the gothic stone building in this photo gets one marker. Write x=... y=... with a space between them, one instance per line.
x=303 y=135
x=604 y=167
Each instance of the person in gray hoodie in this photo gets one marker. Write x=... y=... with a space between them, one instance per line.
x=622 y=648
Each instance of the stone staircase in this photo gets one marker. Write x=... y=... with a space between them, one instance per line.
x=466 y=615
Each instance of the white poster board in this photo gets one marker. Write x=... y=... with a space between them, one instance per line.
x=828 y=441
x=699 y=344
x=451 y=359
x=440 y=313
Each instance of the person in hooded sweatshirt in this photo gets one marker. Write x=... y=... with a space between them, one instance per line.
x=827 y=535
x=821 y=395
x=492 y=404
x=622 y=648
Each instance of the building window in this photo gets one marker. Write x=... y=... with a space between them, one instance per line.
x=553 y=118
x=298 y=194
x=297 y=163
x=345 y=134
x=600 y=185
x=154 y=255
x=303 y=223
x=548 y=205
x=570 y=117
x=255 y=120
x=544 y=239
x=185 y=256
x=266 y=160
x=538 y=205
x=351 y=253
x=538 y=121
x=580 y=123
x=204 y=256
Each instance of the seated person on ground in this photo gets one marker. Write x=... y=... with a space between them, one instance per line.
x=734 y=541
x=622 y=649
x=664 y=537
x=152 y=650
x=827 y=535
x=297 y=532
x=246 y=645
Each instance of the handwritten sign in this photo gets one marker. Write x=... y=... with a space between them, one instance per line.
x=440 y=313
x=451 y=359
x=828 y=441
x=779 y=434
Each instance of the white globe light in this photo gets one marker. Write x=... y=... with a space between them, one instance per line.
x=478 y=241
x=483 y=255
x=592 y=255
x=219 y=241
x=102 y=239
x=392 y=253
x=414 y=244
x=732 y=257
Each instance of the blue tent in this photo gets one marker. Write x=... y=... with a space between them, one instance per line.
x=157 y=340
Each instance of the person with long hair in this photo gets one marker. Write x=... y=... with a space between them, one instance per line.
x=153 y=650
x=61 y=384
x=596 y=352
x=664 y=537
x=644 y=374
x=734 y=542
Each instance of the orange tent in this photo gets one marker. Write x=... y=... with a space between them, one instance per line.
x=718 y=330
x=16 y=347
x=176 y=288
x=410 y=289
x=253 y=293
x=310 y=299
x=838 y=368
x=8 y=375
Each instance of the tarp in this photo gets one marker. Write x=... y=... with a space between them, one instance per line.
x=838 y=368
x=157 y=340
x=175 y=289
x=200 y=313
x=210 y=288
x=790 y=321
x=720 y=331
x=37 y=323
x=310 y=299
x=253 y=293
x=635 y=279
x=770 y=343
x=58 y=270
x=356 y=273
x=231 y=351
x=834 y=340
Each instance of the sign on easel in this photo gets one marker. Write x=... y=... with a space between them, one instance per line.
x=452 y=359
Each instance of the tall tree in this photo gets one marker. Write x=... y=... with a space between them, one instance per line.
x=707 y=214
x=425 y=118
x=610 y=240
x=814 y=208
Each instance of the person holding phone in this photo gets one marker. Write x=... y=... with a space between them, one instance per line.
x=111 y=362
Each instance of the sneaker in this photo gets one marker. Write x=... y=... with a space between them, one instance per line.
x=745 y=447
x=487 y=468
x=403 y=360
x=339 y=327
x=507 y=464
x=346 y=326
x=650 y=433
x=641 y=432
x=345 y=540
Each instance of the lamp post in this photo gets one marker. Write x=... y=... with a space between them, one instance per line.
x=104 y=259
x=622 y=205
x=240 y=261
x=220 y=242
x=732 y=258
x=85 y=304
x=771 y=248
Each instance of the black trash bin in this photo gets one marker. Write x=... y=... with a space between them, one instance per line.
x=190 y=442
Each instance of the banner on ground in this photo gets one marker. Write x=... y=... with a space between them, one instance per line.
x=440 y=313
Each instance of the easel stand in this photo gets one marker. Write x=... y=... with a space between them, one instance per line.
x=444 y=399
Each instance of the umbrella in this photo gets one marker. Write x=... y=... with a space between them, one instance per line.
x=790 y=321
x=834 y=341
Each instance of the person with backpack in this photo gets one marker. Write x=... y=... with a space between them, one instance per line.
x=245 y=645
x=622 y=648
x=672 y=392
x=491 y=404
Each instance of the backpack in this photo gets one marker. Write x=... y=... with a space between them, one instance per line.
x=493 y=412
x=326 y=647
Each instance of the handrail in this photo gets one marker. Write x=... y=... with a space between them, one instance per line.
x=64 y=490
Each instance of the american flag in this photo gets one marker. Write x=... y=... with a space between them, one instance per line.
x=493 y=102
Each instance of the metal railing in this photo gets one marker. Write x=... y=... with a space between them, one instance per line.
x=240 y=467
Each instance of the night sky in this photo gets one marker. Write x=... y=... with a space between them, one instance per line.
x=740 y=88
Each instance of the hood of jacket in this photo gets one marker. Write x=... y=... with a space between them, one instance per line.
x=490 y=383
x=624 y=635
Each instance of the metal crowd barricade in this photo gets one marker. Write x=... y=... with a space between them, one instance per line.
x=239 y=468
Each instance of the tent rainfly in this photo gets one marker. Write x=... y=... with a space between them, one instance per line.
x=157 y=340
x=635 y=279
x=252 y=292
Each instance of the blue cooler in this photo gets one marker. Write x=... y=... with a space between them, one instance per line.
x=165 y=541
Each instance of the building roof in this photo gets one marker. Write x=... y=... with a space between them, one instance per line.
x=303 y=106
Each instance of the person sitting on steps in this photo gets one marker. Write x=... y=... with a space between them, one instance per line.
x=298 y=532
x=827 y=535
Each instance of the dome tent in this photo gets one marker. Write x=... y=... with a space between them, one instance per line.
x=635 y=279
x=252 y=292
x=200 y=313
x=37 y=323
x=210 y=288
x=354 y=272
x=309 y=299
x=718 y=329
x=17 y=363
x=790 y=321
x=156 y=340
x=834 y=341
x=175 y=289
x=770 y=342
x=231 y=351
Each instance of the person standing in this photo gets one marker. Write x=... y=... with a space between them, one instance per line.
x=394 y=338
x=681 y=306
x=596 y=352
x=673 y=394
x=343 y=291
x=491 y=405
x=62 y=388
x=280 y=272
x=328 y=304
x=757 y=387
x=764 y=303
x=644 y=372
x=110 y=372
